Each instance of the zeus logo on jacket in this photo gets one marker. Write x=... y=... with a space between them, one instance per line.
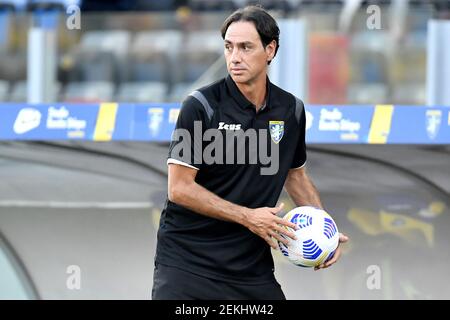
x=232 y=126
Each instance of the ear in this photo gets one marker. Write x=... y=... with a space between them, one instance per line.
x=270 y=50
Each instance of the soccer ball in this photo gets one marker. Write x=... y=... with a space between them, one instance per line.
x=317 y=237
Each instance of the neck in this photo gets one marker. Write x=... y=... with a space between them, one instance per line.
x=254 y=91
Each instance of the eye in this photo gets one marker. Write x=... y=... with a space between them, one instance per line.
x=227 y=47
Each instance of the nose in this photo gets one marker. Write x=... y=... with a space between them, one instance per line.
x=235 y=56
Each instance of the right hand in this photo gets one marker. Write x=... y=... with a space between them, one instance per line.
x=265 y=223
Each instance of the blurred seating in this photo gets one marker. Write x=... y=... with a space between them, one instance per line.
x=5 y=25
x=409 y=93
x=272 y=4
x=295 y=4
x=115 y=41
x=153 y=56
x=95 y=91
x=367 y=93
x=180 y=91
x=13 y=65
x=161 y=64
x=402 y=70
x=102 y=56
x=368 y=66
x=142 y=92
x=19 y=91
x=126 y=5
x=201 y=50
x=13 y=4
x=368 y=57
x=229 y=5
x=96 y=66
x=209 y=5
x=4 y=89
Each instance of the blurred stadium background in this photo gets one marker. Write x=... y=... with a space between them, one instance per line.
x=143 y=51
x=96 y=205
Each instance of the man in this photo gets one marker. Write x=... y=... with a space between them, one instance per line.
x=220 y=219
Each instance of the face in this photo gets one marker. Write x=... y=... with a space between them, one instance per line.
x=245 y=55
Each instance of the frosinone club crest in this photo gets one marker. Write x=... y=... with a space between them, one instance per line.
x=276 y=129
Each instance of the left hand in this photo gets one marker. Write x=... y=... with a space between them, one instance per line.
x=342 y=239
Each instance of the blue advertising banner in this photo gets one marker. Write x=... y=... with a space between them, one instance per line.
x=338 y=124
x=47 y=122
x=123 y=127
x=418 y=124
x=154 y=122
x=367 y=124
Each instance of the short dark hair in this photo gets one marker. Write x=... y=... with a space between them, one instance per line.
x=264 y=23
